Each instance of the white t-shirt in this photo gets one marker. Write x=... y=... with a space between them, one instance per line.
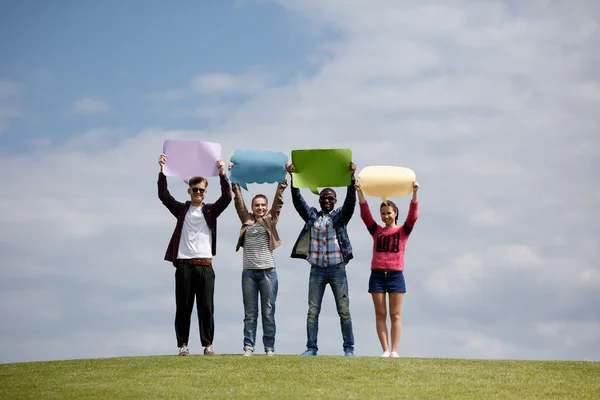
x=195 y=239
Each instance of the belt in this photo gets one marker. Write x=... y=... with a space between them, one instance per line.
x=195 y=261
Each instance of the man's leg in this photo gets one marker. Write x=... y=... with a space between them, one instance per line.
x=268 y=285
x=316 y=288
x=184 y=303
x=339 y=287
x=205 y=291
x=250 y=299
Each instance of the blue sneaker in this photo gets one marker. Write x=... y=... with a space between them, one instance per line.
x=349 y=352
x=309 y=352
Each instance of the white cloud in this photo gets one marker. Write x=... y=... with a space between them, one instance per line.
x=571 y=333
x=89 y=105
x=495 y=110
x=481 y=346
x=488 y=217
x=219 y=82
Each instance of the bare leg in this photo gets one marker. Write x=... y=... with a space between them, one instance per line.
x=381 y=319
x=396 y=317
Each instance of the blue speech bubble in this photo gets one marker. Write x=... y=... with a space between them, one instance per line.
x=254 y=166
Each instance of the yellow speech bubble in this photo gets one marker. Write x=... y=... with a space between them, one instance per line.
x=386 y=181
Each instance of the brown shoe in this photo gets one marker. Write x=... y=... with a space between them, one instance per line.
x=209 y=350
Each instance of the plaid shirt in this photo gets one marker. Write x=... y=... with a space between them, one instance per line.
x=324 y=249
x=339 y=222
x=179 y=210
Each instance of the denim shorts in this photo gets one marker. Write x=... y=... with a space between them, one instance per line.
x=387 y=281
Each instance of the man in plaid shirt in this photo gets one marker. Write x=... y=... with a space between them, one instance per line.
x=324 y=243
x=192 y=246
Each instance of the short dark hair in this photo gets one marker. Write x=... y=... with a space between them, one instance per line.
x=196 y=180
x=327 y=190
x=394 y=207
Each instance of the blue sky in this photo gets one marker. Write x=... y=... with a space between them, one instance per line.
x=491 y=104
x=121 y=53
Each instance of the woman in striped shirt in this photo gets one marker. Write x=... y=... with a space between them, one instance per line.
x=258 y=236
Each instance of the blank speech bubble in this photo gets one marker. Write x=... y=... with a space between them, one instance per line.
x=187 y=158
x=321 y=168
x=253 y=166
x=386 y=181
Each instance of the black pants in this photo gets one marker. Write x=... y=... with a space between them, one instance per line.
x=194 y=281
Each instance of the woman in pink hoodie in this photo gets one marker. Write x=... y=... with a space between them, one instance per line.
x=387 y=265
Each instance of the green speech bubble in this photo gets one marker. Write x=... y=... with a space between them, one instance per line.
x=321 y=168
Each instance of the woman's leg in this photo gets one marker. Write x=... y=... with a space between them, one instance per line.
x=396 y=318
x=381 y=319
x=268 y=287
x=250 y=299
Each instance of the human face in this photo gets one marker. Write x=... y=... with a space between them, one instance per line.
x=388 y=216
x=259 y=206
x=197 y=193
x=327 y=200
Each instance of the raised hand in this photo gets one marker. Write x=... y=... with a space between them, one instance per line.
x=221 y=166
x=162 y=159
x=352 y=168
x=357 y=185
x=229 y=166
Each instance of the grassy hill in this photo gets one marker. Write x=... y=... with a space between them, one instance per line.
x=285 y=377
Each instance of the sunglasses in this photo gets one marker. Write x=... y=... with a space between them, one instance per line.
x=330 y=198
x=196 y=190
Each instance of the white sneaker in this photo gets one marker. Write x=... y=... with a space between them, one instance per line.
x=270 y=353
x=247 y=353
x=183 y=350
x=209 y=350
x=385 y=354
x=393 y=354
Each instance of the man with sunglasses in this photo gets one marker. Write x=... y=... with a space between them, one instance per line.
x=324 y=243
x=191 y=249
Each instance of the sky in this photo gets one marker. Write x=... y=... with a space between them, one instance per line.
x=493 y=104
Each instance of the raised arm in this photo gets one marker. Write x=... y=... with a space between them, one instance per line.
x=413 y=211
x=238 y=200
x=359 y=192
x=278 y=201
x=299 y=204
x=163 y=192
x=350 y=200
x=365 y=211
x=222 y=202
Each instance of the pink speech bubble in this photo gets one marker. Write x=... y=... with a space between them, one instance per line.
x=187 y=158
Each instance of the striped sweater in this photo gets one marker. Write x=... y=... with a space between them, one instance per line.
x=257 y=254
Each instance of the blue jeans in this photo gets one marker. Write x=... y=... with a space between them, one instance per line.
x=255 y=281
x=335 y=276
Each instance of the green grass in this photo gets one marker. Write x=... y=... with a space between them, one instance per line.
x=284 y=377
